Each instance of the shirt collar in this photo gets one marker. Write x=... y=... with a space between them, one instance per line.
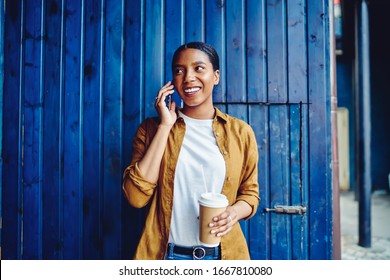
x=218 y=114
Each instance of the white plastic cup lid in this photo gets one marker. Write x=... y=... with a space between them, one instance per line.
x=213 y=200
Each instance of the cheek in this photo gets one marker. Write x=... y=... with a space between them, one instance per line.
x=175 y=82
x=175 y=85
x=211 y=81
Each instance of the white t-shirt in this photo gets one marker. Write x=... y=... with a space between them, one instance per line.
x=200 y=162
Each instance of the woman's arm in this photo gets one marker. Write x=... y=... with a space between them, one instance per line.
x=149 y=165
x=140 y=178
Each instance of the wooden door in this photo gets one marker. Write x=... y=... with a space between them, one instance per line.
x=79 y=77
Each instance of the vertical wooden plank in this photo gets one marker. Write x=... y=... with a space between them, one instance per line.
x=92 y=136
x=215 y=35
x=72 y=192
x=11 y=180
x=305 y=171
x=320 y=200
x=133 y=219
x=259 y=230
x=297 y=50
x=298 y=140
x=256 y=51
x=32 y=130
x=296 y=179
x=154 y=52
x=276 y=42
x=235 y=52
x=174 y=36
x=112 y=131
x=279 y=168
x=52 y=245
x=194 y=20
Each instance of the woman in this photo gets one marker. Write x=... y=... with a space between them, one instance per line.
x=185 y=152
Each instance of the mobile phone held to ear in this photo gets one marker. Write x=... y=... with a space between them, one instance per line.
x=168 y=101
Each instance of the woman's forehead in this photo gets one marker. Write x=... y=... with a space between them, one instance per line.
x=192 y=55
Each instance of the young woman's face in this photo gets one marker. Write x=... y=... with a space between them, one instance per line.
x=194 y=78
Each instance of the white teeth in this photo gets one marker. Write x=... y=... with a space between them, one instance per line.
x=189 y=90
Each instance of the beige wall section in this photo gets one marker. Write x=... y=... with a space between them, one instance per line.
x=343 y=147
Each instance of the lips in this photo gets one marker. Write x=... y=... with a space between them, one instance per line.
x=191 y=91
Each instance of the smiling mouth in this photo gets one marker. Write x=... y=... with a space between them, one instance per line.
x=190 y=91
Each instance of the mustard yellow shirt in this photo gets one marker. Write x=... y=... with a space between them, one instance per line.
x=237 y=144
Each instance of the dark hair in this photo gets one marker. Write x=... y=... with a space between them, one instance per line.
x=206 y=48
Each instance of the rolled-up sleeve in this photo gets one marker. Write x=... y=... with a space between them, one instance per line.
x=137 y=190
x=249 y=188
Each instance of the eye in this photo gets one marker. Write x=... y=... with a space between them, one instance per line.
x=199 y=68
x=179 y=71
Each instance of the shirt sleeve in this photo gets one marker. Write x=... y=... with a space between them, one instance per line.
x=249 y=188
x=136 y=188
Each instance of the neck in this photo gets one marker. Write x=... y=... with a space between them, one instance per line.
x=197 y=113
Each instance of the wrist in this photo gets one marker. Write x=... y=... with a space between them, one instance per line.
x=242 y=209
x=165 y=127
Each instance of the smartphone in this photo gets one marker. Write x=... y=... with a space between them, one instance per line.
x=168 y=101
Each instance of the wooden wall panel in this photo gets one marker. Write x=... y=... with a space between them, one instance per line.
x=79 y=77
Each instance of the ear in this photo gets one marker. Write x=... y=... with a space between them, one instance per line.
x=216 y=77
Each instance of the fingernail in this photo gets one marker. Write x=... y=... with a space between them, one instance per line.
x=219 y=234
x=211 y=225
x=212 y=232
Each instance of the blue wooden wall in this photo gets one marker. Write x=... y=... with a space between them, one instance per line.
x=80 y=75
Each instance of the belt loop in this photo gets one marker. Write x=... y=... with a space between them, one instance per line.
x=217 y=252
x=171 y=246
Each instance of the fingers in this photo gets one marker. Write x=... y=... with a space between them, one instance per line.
x=168 y=116
x=223 y=223
x=163 y=93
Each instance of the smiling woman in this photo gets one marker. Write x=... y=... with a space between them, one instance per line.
x=194 y=78
x=188 y=151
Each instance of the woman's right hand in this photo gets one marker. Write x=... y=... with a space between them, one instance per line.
x=168 y=116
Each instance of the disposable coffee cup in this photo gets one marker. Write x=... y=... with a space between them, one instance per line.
x=210 y=205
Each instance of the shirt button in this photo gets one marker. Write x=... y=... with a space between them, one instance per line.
x=225 y=152
x=217 y=134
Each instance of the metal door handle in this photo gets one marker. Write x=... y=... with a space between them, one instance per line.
x=283 y=209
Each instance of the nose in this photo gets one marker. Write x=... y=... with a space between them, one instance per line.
x=189 y=76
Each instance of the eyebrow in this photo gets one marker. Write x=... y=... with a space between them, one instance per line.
x=194 y=63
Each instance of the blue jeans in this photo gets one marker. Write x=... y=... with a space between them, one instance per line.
x=196 y=254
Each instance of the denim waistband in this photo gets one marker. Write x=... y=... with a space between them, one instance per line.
x=193 y=252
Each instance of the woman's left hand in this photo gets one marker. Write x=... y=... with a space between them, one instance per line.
x=223 y=223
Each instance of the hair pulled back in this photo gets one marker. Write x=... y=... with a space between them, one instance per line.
x=204 y=47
